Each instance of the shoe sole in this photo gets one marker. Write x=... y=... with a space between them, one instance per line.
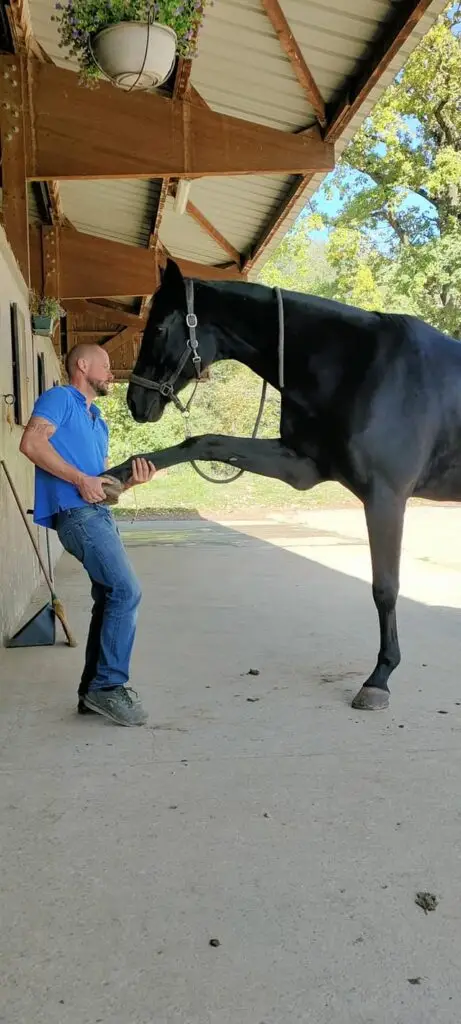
x=106 y=714
x=82 y=710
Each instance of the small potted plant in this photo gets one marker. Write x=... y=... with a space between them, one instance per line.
x=44 y=313
x=133 y=43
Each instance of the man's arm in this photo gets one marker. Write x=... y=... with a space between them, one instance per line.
x=35 y=444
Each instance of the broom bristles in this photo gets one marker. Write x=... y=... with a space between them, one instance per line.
x=59 y=610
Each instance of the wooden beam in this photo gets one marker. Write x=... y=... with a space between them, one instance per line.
x=182 y=79
x=153 y=237
x=291 y=49
x=51 y=261
x=13 y=112
x=391 y=38
x=91 y=267
x=276 y=221
x=94 y=309
x=213 y=232
x=88 y=332
x=20 y=21
x=51 y=267
x=108 y=133
x=57 y=213
x=196 y=97
x=26 y=43
x=127 y=334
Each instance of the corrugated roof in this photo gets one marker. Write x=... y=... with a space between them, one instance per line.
x=387 y=77
x=121 y=210
x=186 y=239
x=242 y=70
x=239 y=207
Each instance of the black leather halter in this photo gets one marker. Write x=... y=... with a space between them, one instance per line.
x=166 y=388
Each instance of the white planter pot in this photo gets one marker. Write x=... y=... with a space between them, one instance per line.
x=135 y=55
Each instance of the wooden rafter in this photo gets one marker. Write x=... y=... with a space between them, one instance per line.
x=13 y=145
x=393 y=34
x=92 y=266
x=20 y=21
x=57 y=213
x=108 y=133
x=196 y=97
x=94 y=309
x=115 y=343
x=213 y=232
x=291 y=49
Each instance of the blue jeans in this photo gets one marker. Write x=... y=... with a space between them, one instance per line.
x=91 y=535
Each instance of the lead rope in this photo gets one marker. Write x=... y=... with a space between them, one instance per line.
x=239 y=472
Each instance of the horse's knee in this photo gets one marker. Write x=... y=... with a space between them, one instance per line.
x=385 y=595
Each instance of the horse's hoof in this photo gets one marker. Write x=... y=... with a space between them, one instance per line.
x=112 y=489
x=371 y=698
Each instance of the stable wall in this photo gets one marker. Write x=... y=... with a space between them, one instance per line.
x=19 y=569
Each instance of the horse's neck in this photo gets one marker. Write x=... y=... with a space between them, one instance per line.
x=246 y=328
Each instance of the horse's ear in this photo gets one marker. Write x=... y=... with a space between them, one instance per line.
x=171 y=276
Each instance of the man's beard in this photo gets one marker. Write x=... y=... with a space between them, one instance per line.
x=100 y=387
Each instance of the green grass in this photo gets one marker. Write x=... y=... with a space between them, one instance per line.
x=180 y=490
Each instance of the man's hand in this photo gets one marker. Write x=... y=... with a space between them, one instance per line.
x=91 y=489
x=141 y=472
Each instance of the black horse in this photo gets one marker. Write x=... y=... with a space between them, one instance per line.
x=371 y=400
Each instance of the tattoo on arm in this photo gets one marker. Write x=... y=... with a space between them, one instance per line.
x=40 y=428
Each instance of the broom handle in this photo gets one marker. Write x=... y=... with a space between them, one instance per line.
x=48 y=552
x=28 y=527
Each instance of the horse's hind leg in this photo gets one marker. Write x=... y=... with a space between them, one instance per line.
x=384 y=514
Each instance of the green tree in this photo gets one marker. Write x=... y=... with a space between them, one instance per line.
x=228 y=404
x=395 y=242
x=299 y=262
x=400 y=184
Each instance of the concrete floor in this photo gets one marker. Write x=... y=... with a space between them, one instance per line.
x=257 y=810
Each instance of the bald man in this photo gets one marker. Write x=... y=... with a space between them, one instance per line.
x=67 y=440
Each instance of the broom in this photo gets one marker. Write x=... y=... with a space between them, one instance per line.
x=57 y=605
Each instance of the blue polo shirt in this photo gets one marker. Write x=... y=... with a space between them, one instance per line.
x=80 y=438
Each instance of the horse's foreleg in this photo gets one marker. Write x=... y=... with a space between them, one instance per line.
x=265 y=456
x=385 y=514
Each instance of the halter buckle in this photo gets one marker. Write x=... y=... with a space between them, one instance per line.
x=166 y=390
x=191 y=320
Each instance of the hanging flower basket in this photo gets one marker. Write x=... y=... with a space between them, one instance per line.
x=135 y=54
x=43 y=325
x=44 y=312
x=134 y=43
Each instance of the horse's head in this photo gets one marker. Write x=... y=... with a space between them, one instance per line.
x=168 y=359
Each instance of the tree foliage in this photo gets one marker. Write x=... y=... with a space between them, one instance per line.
x=399 y=183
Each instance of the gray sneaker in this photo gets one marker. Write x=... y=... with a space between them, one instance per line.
x=121 y=705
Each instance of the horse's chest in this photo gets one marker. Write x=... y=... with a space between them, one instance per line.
x=299 y=430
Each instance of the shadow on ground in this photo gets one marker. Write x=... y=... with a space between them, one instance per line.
x=256 y=810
